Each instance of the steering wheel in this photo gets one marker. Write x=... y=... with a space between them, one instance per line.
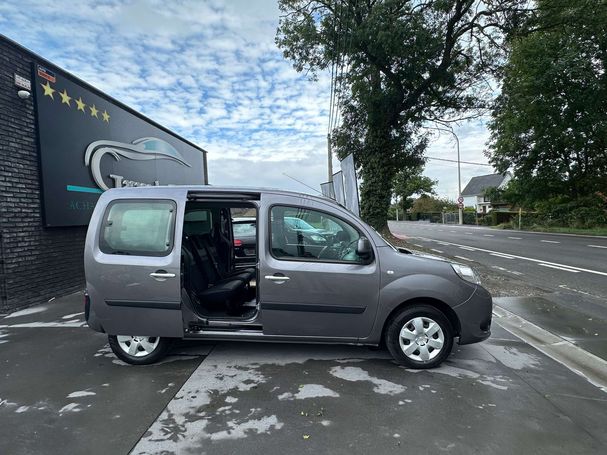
x=349 y=250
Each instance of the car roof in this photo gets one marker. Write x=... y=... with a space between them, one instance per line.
x=226 y=189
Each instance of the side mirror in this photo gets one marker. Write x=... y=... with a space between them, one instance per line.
x=364 y=249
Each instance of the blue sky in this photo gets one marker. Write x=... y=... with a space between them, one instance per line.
x=210 y=71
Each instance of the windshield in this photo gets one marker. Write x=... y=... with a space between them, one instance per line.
x=381 y=236
x=244 y=229
x=299 y=224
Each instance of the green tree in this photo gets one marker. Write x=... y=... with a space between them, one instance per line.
x=409 y=182
x=399 y=64
x=549 y=125
x=431 y=204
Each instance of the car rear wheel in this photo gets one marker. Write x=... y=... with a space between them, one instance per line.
x=419 y=337
x=139 y=350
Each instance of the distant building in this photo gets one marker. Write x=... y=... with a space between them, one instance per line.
x=474 y=191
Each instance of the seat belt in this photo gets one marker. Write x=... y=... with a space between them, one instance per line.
x=212 y=259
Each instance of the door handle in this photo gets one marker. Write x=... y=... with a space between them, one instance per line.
x=276 y=278
x=162 y=275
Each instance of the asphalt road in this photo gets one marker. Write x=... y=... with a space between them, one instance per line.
x=577 y=264
x=63 y=391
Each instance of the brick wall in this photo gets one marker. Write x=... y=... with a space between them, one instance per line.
x=36 y=263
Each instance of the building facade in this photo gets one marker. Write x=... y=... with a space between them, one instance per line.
x=62 y=143
x=474 y=192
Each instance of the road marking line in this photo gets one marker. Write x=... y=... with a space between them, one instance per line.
x=465 y=259
x=453 y=231
x=516 y=273
x=516 y=238
x=467 y=248
x=597 y=246
x=441 y=243
x=437 y=251
x=418 y=245
x=549 y=241
x=525 y=258
x=499 y=268
x=499 y=255
x=488 y=235
x=564 y=286
x=469 y=233
x=559 y=268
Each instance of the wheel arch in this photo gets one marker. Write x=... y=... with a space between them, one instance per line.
x=435 y=303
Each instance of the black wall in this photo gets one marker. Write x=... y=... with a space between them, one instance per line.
x=36 y=263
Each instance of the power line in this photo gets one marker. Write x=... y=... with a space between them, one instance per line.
x=334 y=66
x=345 y=30
x=455 y=161
x=350 y=24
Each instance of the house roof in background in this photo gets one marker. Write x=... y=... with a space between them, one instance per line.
x=477 y=185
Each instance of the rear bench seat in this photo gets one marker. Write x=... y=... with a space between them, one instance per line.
x=204 y=282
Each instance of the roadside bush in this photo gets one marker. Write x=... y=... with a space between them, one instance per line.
x=469 y=217
x=583 y=213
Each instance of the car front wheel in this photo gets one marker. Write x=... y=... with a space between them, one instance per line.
x=419 y=337
x=139 y=350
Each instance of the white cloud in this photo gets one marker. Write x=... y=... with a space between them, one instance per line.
x=211 y=72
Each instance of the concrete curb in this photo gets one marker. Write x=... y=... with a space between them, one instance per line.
x=581 y=362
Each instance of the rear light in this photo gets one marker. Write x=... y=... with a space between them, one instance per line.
x=237 y=242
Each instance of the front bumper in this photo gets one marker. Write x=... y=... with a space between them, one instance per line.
x=475 y=317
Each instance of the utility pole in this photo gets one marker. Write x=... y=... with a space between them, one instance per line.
x=330 y=158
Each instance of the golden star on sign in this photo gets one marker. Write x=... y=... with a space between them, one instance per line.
x=106 y=116
x=80 y=104
x=48 y=90
x=65 y=98
x=94 y=111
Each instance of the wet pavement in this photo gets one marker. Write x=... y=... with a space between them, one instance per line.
x=576 y=325
x=62 y=391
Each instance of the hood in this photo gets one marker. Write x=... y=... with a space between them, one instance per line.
x=423 y=255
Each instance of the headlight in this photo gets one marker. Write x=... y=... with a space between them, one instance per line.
x=466 y=273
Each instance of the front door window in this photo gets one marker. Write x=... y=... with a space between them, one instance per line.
x=310 y=235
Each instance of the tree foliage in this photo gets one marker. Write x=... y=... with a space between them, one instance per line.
x=431 y=204
x=400 y=64
x=549 y=124
x=409 y=182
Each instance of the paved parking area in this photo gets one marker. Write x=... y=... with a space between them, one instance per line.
x=62 y=391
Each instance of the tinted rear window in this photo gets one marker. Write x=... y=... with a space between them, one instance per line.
x=141 y=228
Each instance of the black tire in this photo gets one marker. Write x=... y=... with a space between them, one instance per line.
x=155 y=355
x=426 y=313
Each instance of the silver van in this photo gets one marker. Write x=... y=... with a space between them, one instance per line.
x=160 y=265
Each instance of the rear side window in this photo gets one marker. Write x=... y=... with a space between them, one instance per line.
x=140 y=228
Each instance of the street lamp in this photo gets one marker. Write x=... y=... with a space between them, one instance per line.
x=459 y=173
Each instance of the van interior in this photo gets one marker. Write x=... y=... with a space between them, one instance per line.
x=218 y=283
